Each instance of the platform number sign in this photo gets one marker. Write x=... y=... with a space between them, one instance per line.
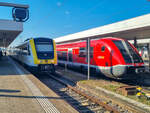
x=20 y=14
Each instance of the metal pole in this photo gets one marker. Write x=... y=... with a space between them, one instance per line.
x=66 y=63
x=4 y=40
x=88 y=57
x=149 y=55
x=13 y=5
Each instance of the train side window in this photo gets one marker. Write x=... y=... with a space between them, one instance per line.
x=64 y=56
x=59 y=55
x=82 y=52
x=102 y=48
x=29 y=50
x=24 y=50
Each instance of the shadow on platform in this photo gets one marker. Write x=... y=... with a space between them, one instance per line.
x=8 y=68
x=9 y=91
x=29 y=97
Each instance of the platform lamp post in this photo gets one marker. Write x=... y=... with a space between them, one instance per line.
x=20 y=13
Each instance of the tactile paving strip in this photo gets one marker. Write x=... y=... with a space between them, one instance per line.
x=45 y=103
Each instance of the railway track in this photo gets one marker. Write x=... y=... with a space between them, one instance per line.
x=81 y=100
x=131 y=82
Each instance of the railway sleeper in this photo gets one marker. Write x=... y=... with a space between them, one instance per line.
x=72 y=93
x=66 y=96
x=86 y=111
x=96 y=108
x=82 y=101
x=94 y=99
x=81 y=108
x=80 y=98
x=60 y=92
x=69 y=99
x=74 y=102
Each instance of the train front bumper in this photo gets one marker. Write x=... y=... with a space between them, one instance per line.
x=46 y=67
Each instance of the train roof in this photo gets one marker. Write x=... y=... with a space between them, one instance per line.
x=27 y=40
x=105 y=38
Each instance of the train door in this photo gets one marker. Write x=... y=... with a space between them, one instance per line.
x=70 y=54
x=103 y=56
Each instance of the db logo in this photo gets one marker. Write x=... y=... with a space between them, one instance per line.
x=100 y=57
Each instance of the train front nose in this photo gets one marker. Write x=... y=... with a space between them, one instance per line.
x=118 y=71
x=125 y=72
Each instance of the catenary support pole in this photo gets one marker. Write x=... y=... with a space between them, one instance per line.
x=88 y=57
x=149 y=55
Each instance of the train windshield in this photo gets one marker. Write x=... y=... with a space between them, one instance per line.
x=136 y=57
x=128 y=53
x=44 y=47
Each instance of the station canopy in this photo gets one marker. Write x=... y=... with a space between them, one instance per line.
x=130 y=29
x=9 y=30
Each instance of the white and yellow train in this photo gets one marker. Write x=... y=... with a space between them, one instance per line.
x=37 y=53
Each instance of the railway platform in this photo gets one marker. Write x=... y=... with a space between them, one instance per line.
x=21 y=92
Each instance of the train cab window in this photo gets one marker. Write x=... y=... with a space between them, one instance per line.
x=102 y=48
x=82 y=52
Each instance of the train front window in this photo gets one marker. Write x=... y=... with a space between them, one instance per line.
x=136 y=57
x=123 y=51
x=44 y=47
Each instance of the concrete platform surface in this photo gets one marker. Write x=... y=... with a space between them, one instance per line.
x=21 y=92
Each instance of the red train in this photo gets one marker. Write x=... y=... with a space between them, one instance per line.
x=114 y=57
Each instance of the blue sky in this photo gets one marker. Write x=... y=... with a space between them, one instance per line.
x=55 y=18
